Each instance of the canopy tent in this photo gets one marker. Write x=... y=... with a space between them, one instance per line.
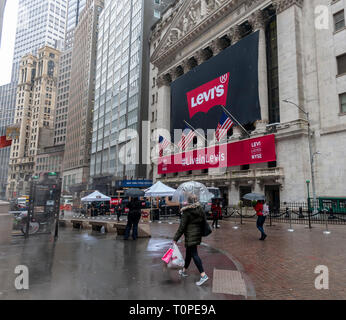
x=159 y=190
x=96 y=197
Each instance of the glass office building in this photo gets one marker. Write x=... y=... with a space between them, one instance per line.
x=121 y=91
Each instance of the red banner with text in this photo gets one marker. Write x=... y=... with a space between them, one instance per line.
x=256 y=150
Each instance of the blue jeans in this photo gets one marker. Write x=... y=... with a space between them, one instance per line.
x=134 y=231
x=260 y=223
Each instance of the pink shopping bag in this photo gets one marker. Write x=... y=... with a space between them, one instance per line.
x=168 y=255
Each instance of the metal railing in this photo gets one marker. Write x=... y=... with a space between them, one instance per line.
x=291 y=212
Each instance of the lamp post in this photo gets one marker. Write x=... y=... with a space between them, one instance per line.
x=310 y=151
x=308 y=187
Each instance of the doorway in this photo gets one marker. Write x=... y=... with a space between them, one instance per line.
x=272 y=194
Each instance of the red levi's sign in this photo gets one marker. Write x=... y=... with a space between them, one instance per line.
x=256 y=150
x=4 y=143
x=209 y=95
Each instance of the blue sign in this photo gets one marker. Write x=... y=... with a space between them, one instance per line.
x=136 y=183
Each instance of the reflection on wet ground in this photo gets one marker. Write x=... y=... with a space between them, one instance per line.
x=87 y=265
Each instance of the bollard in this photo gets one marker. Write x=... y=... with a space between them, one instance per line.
x=301 y=216
x=287 y=215
x=326 y=219
x=290 y=216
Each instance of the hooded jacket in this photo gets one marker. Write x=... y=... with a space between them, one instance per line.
x=191 y=224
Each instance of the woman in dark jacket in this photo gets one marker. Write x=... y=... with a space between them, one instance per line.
x=191 y=224
x=133 y=218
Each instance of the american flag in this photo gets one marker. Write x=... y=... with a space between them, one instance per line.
x=186 y=138
x=163 y=142
x=224 y=125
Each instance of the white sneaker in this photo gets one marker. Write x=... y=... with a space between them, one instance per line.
x=202 y=280
x=182 y=273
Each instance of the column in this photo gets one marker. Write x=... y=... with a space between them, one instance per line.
x=164 y=101
x=234 y=34
x=257 y=20
x=290 y=52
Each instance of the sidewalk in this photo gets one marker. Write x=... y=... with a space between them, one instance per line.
x=88 y=265
x=282 y=266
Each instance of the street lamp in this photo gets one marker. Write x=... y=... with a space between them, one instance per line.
x=310 y=150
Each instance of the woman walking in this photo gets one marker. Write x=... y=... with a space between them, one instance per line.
x=260 y=219
x=191 y=224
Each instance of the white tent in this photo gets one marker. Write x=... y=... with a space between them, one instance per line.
x=96 y=196
x=159 y=190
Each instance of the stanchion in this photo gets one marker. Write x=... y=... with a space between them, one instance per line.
x=236 y=227
x=325 y=215
x=290 y=216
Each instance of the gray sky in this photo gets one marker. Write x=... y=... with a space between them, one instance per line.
x=7 y=42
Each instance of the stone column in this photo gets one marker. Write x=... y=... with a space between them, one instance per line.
x=216 y=47
x=290 y=52
x=257 y=20
x=234 y=34
x=164 y=101
x=200 y=56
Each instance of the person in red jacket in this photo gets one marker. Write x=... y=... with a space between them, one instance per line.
x=260 y=218
x=216 y=212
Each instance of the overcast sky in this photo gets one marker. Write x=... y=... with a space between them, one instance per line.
x=7 y=41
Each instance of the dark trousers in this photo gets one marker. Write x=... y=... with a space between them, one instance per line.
x=191 y=253
x=119 y=215
x=260 y=223
x=215 y=222
x=134 y=231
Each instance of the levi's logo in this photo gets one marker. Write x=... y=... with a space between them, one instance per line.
x=209 y=95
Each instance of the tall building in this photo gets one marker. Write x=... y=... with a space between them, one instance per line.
x=39 y=23
x=34 y=115
x=300 y=78
x=81 y=99
x=2 y=10
x=121 y=96
x=74 y=10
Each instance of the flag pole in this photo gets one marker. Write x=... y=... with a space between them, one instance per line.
x=191 y=127
x=238 y=123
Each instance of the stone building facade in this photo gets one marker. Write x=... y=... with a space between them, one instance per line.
x=34 y=114
x=301 y=59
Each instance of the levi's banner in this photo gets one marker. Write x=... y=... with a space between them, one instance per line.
x=256 y=150
x=229 y=79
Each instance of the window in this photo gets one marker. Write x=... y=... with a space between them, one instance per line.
x=342 y=98
x=341 y=60
x=157 y=14
x=339 y=20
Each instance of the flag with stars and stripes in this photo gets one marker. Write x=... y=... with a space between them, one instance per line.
x=186 y=138
x=224 y=125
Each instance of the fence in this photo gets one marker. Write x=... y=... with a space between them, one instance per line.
x=292 y=212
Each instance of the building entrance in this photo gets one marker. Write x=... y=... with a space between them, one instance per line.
x=272 y=194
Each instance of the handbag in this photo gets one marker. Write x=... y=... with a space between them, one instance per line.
x=206 y=229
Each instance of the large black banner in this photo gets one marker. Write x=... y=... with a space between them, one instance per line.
x=229 y=79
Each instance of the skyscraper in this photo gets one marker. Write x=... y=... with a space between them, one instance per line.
x=81 y=99
x=2 y=10
x=40 y=23
x=121 y=97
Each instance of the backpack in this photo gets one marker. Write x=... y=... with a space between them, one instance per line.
x=265 y=210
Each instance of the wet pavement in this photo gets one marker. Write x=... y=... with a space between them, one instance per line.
x=90 y=265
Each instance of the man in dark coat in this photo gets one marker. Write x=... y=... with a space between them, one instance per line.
x=191 y=224
x=133 y=218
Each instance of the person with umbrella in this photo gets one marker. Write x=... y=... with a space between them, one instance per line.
x=258 y=200
x=191 y=224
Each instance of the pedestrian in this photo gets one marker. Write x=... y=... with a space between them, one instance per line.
x=216 y=213
x=118 y=209
x=191 y=224
x=133 y=218
x=260 y=218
